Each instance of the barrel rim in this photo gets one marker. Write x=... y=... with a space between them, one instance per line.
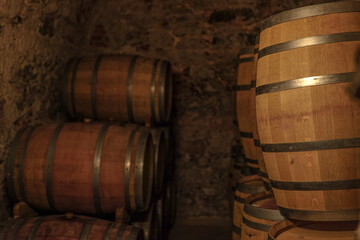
x=242 y=187
x=165 y=91
x=310 y=11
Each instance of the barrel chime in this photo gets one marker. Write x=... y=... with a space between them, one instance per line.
x=104 y=165
x=300 y=127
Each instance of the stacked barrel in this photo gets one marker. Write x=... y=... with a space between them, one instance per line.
x=308 y=124
x=115 y=163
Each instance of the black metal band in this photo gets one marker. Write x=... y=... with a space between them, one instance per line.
x=35 y=228
x=16 y=229
x=268 y=186
x=96 y=168
x=87 y=229
x=309 y=41
x=263 y=213
x=239 y=199
x=310 y=11
x=312 y=145
x=163 y=75
x=250 y=189
x=265 y=175
x=316 y=215
x=120 y=232
x=127 y=170
x=243 y=60
x=251 y=161
x=247 y=50
x=93 y=86
x=64 y=87
x=317 y=186
x=152 y=91
x=22 y=163
x=246 y=134
x=254 y=169
x=257 y=142
x=11 y=164
x=73 y=79
x=243 y=87
x=255 y=225
x=253 y=83
x=237 y=230
x=109 y=231
x=49 y=167
x=305 y=82
x=129 y=89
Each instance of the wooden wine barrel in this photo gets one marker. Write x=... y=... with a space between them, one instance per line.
x=117 y=87
x=82 y=168
x=259 y=153
x=149 y=222
x=61 y=227
x=260 y=213
x=244 y=77
x=238 y=164
x=287 y=230
x=308 y=124
x=245 y=187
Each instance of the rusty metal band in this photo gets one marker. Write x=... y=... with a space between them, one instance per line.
x=257 y=142
x=251 y=189
x=309 y=41
x=129 y=88
x=141 y=202
x=318 y=215
x=73 y=79
x=109 y=231
x=247 y=50
x=16 y=229
x=11 y=164
x=4 y=228
x=87 y=229
x=317 y=186
x=263 y=213
x=152 y=90
x=305 y=82
x=312 y=145
x=162 y=82
x=64 y=86
x=120 y=232
x=96 y=168
x=246 y=134
x=49 y=166
x=310 y=11
x=22 y=163
x=35 y=228
x=255 y=225
x=239 y=199
x=253 y=83
x=127 y=170
x=134 y=233
x=265 y=175
x=252 y=161
x=236 y=230
x=93 y=83
x=243 y=60
x=245 y=87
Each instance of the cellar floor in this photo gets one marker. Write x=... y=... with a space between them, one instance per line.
x=201 y=229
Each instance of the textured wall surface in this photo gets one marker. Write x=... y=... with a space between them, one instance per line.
x=200 y=37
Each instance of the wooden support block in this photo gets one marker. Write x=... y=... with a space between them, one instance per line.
x=122 y=216
x=23 y=210
x=87 y=120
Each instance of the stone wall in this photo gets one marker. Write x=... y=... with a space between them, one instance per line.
x=200 y=37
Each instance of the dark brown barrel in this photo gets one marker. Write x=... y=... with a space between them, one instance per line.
x=83 y=168
x=149 y=222
x=121 y=88
x=245 y=187
x=60 y=227
x=308 y=123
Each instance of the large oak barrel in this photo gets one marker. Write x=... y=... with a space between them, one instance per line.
x=245 y=187
x=82 y=168
x=243 y=111
x=260 y=213
x=256 y=137
x=149 y=222
x=61 y=227
x=122 y=88
x=288 y=230
x=308 y=124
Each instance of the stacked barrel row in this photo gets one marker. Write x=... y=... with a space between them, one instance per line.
x=106 y=165
x=305 y=124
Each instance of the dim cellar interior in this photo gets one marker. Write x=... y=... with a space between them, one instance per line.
x=169 y=120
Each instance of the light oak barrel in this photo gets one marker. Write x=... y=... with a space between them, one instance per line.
x=61 y=227
x=243 y=111
x=308 y=124
x=288 y=230
x=245 y=187
x=82 y=168
x=118 y=87
x=260 y=213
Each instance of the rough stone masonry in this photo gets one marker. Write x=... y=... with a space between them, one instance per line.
x=200 y=37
